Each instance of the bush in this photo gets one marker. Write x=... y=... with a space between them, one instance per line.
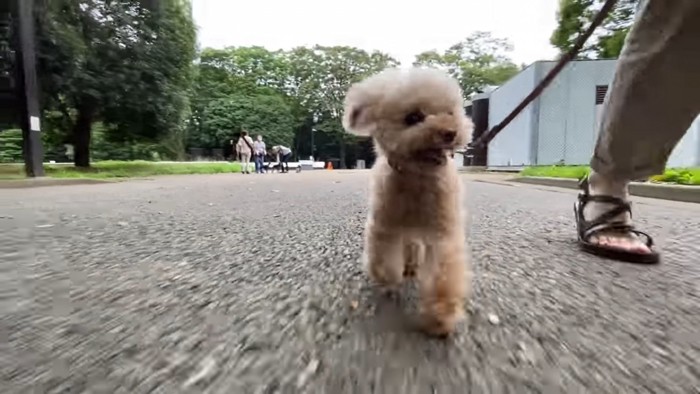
x=681 y=176
x=102 y=148
x=11 y=146
x=576 y=172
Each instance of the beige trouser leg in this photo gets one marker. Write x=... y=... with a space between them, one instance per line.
x=245 y=161
x=655 y=94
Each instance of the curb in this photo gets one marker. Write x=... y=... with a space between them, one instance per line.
x=470 y=169
x=680 y=193
x=41 y=182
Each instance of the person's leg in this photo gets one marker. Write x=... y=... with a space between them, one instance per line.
x=245 y=162
x=261 y=163
x=653 y=99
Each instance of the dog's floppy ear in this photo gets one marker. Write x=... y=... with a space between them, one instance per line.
x=357 y=116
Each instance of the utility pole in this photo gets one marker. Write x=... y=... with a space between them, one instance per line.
x=8 y=80
x=313 y=130
x=28 y=87
x=18 y=81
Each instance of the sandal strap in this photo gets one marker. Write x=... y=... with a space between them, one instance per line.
x=604 y=221
x=650 y=240
x=620 y=227
x=594 y=229
x=609 y=215
x=585 y=197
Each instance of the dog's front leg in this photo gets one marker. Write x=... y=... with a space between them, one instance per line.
x=384 y=256
x=444 y=284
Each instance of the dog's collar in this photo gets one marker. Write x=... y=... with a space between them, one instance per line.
x=432 y=158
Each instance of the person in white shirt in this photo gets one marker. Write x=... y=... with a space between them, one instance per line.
x=283 y=154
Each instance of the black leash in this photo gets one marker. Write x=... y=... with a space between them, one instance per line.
x=570 y=55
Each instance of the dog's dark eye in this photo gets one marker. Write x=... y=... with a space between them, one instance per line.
x=414 y=118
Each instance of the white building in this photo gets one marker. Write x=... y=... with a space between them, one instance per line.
x=560 y=126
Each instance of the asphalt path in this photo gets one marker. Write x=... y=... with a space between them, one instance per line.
x=252 y=284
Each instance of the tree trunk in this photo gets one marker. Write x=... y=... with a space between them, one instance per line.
x=82 y=131
x=342 y=154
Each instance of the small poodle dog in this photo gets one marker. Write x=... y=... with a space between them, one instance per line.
x=416 y=224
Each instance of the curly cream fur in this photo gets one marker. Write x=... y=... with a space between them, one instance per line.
x=416 y=224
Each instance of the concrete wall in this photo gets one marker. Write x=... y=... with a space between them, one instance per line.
x=687 y=152
x=513 y=145
x=561 y=126
x=567 y=112
x=458 y=160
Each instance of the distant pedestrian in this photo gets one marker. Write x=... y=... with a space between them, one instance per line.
x=259 y=153
x=283 y=154
x=244 y=149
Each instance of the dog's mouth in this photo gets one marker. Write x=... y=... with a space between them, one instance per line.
x=431 y=157
x=436 y=156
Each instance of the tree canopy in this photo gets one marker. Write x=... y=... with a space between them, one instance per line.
x=574 y=16
x=122 y=62
x=478 y=61
x=128 y=73
x=224 y=118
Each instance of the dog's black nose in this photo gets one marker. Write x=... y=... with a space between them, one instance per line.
x=449 y=135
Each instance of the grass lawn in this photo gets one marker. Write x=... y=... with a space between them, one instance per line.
x=681 y=176
x=123 y=169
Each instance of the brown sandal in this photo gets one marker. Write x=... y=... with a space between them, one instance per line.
x=587 y=229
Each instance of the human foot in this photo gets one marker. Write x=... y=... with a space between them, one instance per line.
x=604 y=221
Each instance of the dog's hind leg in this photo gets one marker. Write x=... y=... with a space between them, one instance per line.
x=384 y=257
x=414 y=255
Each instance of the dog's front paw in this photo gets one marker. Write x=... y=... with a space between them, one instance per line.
x=386 y=274
x=441 y=319
x=440 y=328
x=388 y=281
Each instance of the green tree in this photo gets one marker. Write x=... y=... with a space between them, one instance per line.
x=248 y=70
x=166 y=74
x=239 y=71
x=223 y=119
x=320 y=77
x=308 y=84
x=128 y=63
x=476 y=62
x=574 y=16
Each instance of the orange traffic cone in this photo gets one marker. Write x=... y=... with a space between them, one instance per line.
x=330 y=165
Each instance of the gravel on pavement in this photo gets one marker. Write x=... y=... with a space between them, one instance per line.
x=252 y=284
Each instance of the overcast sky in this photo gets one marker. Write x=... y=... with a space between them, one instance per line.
x=400 y=28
